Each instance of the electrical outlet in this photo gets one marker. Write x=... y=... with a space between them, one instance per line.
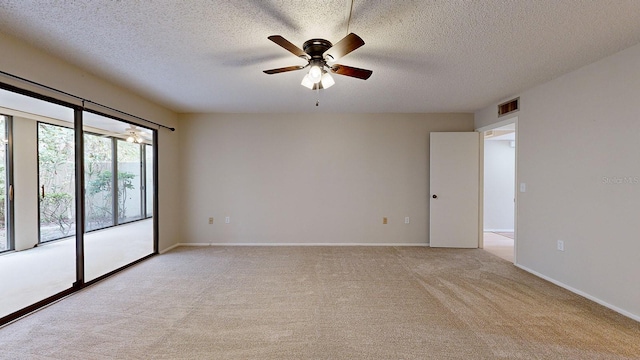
x=384 y=220
x=210 y=220
x=227 y=220
x=560 y=245
x=406 y=220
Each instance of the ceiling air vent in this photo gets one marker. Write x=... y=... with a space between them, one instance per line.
x=509 y=107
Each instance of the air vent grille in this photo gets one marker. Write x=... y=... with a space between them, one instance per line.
x=509 y=107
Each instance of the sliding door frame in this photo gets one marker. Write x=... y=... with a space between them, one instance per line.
x=80 y=196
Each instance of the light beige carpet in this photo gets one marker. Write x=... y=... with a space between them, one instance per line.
x=323 y=303
x=31 y=275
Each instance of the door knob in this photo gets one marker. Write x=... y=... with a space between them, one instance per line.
x=435 y=196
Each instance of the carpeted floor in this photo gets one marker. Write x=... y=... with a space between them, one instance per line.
x=323 y=303
x=31 y=275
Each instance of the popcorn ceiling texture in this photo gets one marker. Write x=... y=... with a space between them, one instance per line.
x=426 y=56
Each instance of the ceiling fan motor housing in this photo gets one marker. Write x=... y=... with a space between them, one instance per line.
x=316 y=47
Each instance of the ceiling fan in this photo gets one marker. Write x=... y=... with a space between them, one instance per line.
x=321 y=55
x=136 y=135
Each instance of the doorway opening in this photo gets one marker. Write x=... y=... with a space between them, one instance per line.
x=499 y=196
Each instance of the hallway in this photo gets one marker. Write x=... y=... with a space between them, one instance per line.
x=499 y=244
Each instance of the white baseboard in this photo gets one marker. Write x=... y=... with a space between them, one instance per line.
x=581 y=293
x=169 y=248
x=295 y=244
x=499 y=230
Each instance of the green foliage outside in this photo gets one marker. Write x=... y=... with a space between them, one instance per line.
x=103 y=184
x=56 y=167
x=56 y=162
x=3 y=190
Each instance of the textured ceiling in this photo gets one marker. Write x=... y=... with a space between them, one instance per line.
x=426 y=56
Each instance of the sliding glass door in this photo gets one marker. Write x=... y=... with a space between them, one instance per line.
x=39 y=163
x=116 y=173
x=39 y=209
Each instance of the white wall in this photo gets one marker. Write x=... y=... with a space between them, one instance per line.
x=499 y=185
x=309 y=179
x=23 y=60
x=579 y=155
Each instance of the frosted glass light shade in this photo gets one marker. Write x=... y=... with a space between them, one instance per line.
x=307 y=82
x=315 y=74
x=327 y=81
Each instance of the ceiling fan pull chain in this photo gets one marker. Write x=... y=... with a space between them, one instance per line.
x=318 y=93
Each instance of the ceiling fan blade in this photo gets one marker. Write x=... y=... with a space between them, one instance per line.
x=284 y=69
x=343 y=47
x=363 y=74
x=287 y=45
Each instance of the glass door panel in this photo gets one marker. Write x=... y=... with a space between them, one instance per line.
x=107 y=152
x=149 y=179
x=43 y=154
x=129 y=181
x=98 y=177
x=4 y=185
x=56 y=169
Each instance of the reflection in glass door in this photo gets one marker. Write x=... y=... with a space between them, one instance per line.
x=38 y=149
x=118 y=232
x=149 y=180
x=129 y=181
x=6 y=189
x=56 y=169
x=98 y=176
x=38 y=154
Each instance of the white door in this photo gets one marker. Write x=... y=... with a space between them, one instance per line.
x=454 y=184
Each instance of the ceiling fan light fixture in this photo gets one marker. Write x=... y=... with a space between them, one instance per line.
x=131 y=139
x=307 y=82
x=315 y=74
x=327 y=80
x=321 y=54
